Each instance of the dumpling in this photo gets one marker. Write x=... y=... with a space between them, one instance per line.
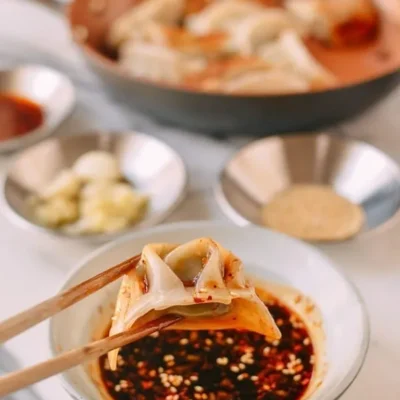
x=337 y=22
x=248 y=75
x=164 y=11
x=268 y=81
x=199 y=280
x=259 y=28
x=159 y=63
x=290 y=53
x=221 y=16
x=97 y=165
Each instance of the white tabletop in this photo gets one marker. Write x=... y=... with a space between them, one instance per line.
x=33 y=269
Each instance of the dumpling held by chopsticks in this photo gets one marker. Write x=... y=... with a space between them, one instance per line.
x=199 y=280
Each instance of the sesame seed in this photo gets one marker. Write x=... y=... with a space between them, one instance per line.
x=242 y=376
x=266 y=350
x=187 y=382
x=234 y=368
x=208 y=342
x=198 y=389
x=296 y=378
x=306 y=341
x=183 y=342
x=194 y=378
x=222 y=360
x=229 y=340
x=242 y=366
x=117 y=388
x=254 y=378
x=169 y=357
x=173 y=389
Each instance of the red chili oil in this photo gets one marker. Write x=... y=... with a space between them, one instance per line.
x=18 y=116
x=215 y=365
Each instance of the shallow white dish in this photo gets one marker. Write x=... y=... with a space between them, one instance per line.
x=265 y=254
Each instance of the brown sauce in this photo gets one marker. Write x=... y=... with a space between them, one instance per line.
x=215 y=365
x=18 y=116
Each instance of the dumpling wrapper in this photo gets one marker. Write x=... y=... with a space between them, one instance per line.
x=320 y=18
x=199 y=280
x=221 y=16
x=259 y=28
x=157 y=62
x=290 y=53
x=163 y=11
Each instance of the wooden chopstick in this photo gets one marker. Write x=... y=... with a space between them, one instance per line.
x=20 y=379
x=28 y=318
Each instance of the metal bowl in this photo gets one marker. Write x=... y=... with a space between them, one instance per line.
x=149 y=164
x=50 y=89
x=356 y=170
x=366 y=74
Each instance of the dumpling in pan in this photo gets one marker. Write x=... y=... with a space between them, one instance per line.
x=290 y=53
x=157 y=62
x=337 y=22
x=266 y=81
x=164 y=11
x=259 y=28
x=221 y=16
x=199 y=280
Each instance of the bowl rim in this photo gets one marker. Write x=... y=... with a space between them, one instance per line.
x=354 y=369
x=32 y=227
x=41 y=132
x=238 y=219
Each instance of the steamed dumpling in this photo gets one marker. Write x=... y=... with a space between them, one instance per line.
x=322 y=18
x=290 y=53
x=222 y=15
x=97 y=165
x=199 y=280
x=259 y=28
x=164 y=11
x=157 y=62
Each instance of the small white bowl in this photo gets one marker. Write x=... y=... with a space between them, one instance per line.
x=265 y=254
x=153 y=168
x=51 y=89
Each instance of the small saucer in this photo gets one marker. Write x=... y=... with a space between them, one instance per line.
x=50 y=89
x=354 y=169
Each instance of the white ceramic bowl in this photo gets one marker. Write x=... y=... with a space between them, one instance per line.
x=266 y=254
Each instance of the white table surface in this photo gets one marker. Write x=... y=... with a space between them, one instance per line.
x=33 y=269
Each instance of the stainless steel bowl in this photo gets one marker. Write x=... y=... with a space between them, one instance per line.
x=356 y=170
x=50 y=89
x=153 y=168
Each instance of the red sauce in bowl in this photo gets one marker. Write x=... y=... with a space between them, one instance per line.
x=215 y=365
x=18 y=116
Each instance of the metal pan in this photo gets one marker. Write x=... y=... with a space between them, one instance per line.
x=366 y=74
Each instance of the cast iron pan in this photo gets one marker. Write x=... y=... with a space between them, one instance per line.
x=367 y=74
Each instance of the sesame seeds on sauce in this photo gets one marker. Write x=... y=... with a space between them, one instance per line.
x=215 y=365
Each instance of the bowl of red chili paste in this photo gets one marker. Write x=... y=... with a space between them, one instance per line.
x=320 y=315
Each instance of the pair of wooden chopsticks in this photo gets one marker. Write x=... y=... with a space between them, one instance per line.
x=21 y=322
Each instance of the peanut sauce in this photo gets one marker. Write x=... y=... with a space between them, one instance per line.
x=215 y=365
x=18 y=116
